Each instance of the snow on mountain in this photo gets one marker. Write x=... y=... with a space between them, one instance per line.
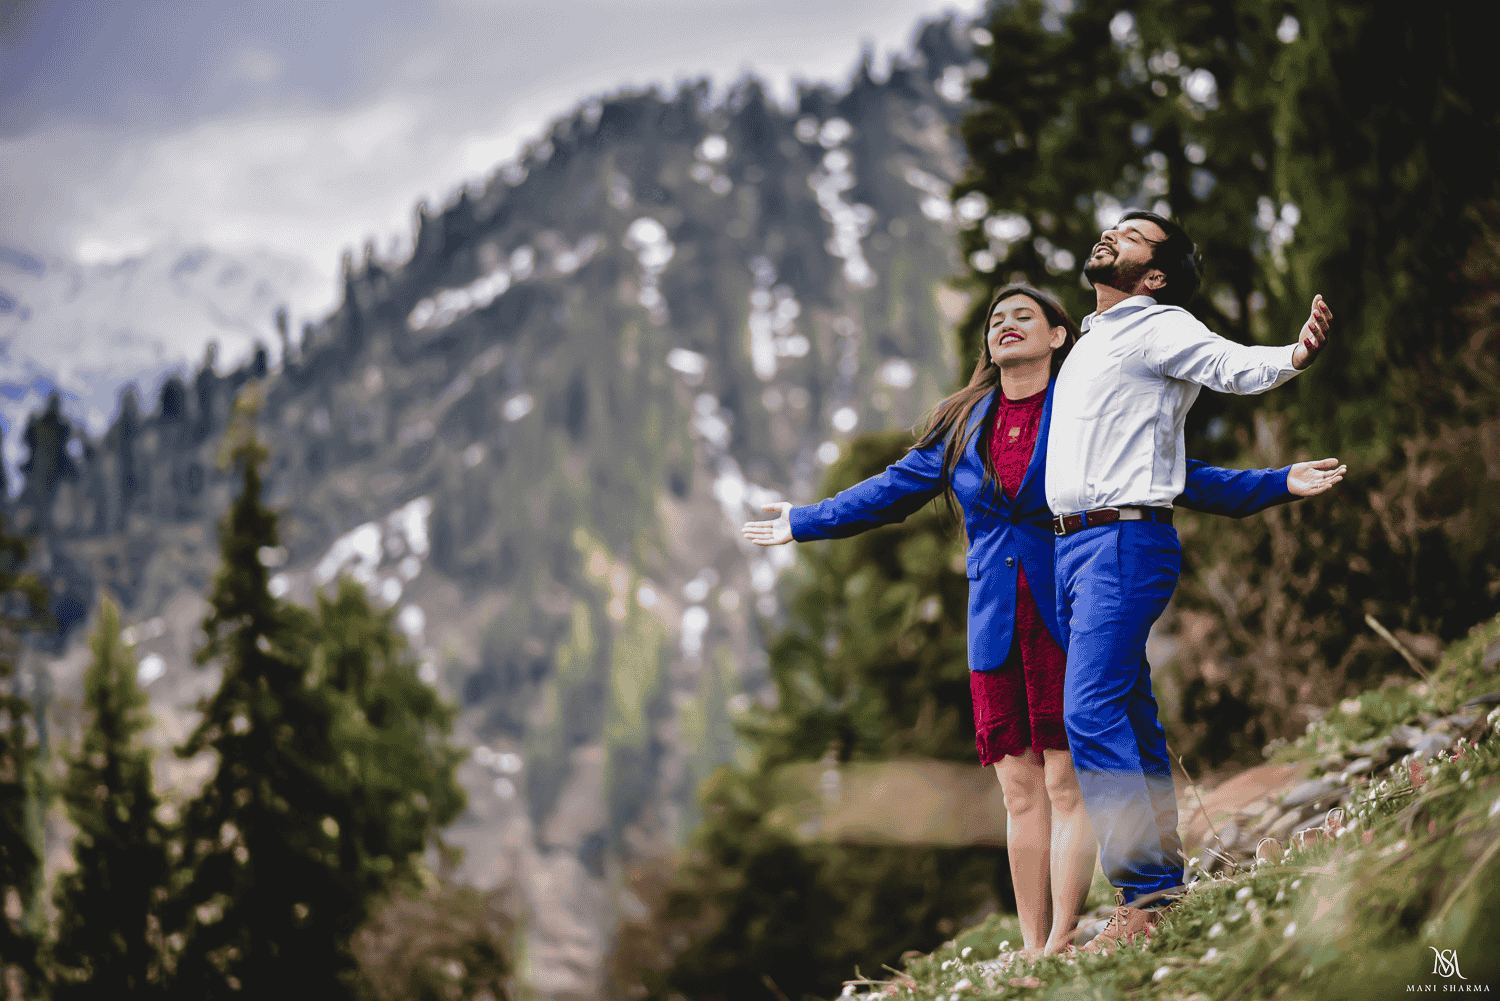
x=88 y=331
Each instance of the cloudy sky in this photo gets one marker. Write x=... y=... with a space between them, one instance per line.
x=306 y=127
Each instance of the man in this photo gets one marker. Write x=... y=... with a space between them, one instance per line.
x=1114 y=465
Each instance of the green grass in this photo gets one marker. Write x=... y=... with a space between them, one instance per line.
x=1459 y=677
x=1416 y=873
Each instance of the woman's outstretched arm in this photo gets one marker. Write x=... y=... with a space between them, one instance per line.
x=1236 y=493
x=774 y=532
x=884 y=499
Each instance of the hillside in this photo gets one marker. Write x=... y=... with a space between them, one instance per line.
x=536 y=436
x=1377 y=878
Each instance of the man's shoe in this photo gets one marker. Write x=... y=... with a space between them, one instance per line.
x=1126 y=924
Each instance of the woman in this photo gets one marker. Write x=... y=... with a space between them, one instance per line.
x=985 y=452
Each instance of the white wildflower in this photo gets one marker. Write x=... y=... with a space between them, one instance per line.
x=1291 y=929
x=1216 y=930
x=1161 y=973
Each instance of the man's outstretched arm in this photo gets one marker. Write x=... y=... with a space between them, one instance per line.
x=1183 y=348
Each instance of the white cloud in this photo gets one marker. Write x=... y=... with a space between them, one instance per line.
x=257 y=65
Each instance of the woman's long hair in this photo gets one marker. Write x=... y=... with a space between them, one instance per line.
x=950 y=418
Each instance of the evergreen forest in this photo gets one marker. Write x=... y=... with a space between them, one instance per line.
x=330 y=776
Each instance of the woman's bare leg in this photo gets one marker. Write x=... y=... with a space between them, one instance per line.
x=1028 y=841
x=1073 y=847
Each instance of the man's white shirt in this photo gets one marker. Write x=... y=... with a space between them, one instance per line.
x=1123 y=396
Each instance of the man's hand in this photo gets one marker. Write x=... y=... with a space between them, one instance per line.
x=1314 y=334
x=773 y=533
x=1308 y=479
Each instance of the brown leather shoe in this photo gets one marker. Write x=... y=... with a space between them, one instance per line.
x=1126 y=924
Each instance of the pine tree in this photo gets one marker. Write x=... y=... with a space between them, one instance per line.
x=396 y=785
x=334 y=774
x=109 y=936
x=266 y=908
x=23 y=601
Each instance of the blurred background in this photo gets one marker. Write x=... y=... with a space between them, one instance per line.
x=536 y=306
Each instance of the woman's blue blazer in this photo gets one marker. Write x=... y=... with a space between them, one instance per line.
x=1005 y=533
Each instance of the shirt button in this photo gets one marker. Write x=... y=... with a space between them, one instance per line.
x=1010 y=561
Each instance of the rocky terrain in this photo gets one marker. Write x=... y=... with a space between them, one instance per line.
x=536 y=437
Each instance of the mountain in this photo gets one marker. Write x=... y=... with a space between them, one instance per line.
x=88 y=331
x=538 y=435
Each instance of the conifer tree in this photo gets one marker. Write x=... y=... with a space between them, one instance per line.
x=396 y=784
x=334 y=773
x=109 y=936
x=267 y=907
x=22 y=610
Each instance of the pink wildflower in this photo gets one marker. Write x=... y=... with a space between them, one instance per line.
x=1418 y=775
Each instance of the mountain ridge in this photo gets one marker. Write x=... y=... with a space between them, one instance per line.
x=536 y=436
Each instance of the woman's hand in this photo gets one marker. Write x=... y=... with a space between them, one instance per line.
x=1308 y=479
x=774 y=533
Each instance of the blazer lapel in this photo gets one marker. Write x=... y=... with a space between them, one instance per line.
x=1039 y=450
x=977 y=418
x=972 y=454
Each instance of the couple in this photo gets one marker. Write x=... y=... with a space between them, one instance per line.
x=1066 y=461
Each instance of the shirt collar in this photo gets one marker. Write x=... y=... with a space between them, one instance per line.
x=1124 y=307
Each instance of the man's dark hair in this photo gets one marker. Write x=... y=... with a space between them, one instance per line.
x=1176 y=257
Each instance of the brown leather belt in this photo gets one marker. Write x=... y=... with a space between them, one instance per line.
x=1067 y=524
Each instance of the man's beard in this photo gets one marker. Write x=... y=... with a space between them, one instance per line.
x=1115 y=273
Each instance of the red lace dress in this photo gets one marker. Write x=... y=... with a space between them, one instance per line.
x=1019 y=704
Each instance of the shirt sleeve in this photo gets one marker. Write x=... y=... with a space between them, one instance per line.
x=1183 y=348
x=1233 y=493
x=885 y=499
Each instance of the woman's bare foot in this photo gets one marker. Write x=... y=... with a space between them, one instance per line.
x=1060 y=943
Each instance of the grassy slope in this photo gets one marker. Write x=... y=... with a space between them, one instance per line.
x=1363 y=916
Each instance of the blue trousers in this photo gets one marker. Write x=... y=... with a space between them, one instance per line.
x=1113 y=582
